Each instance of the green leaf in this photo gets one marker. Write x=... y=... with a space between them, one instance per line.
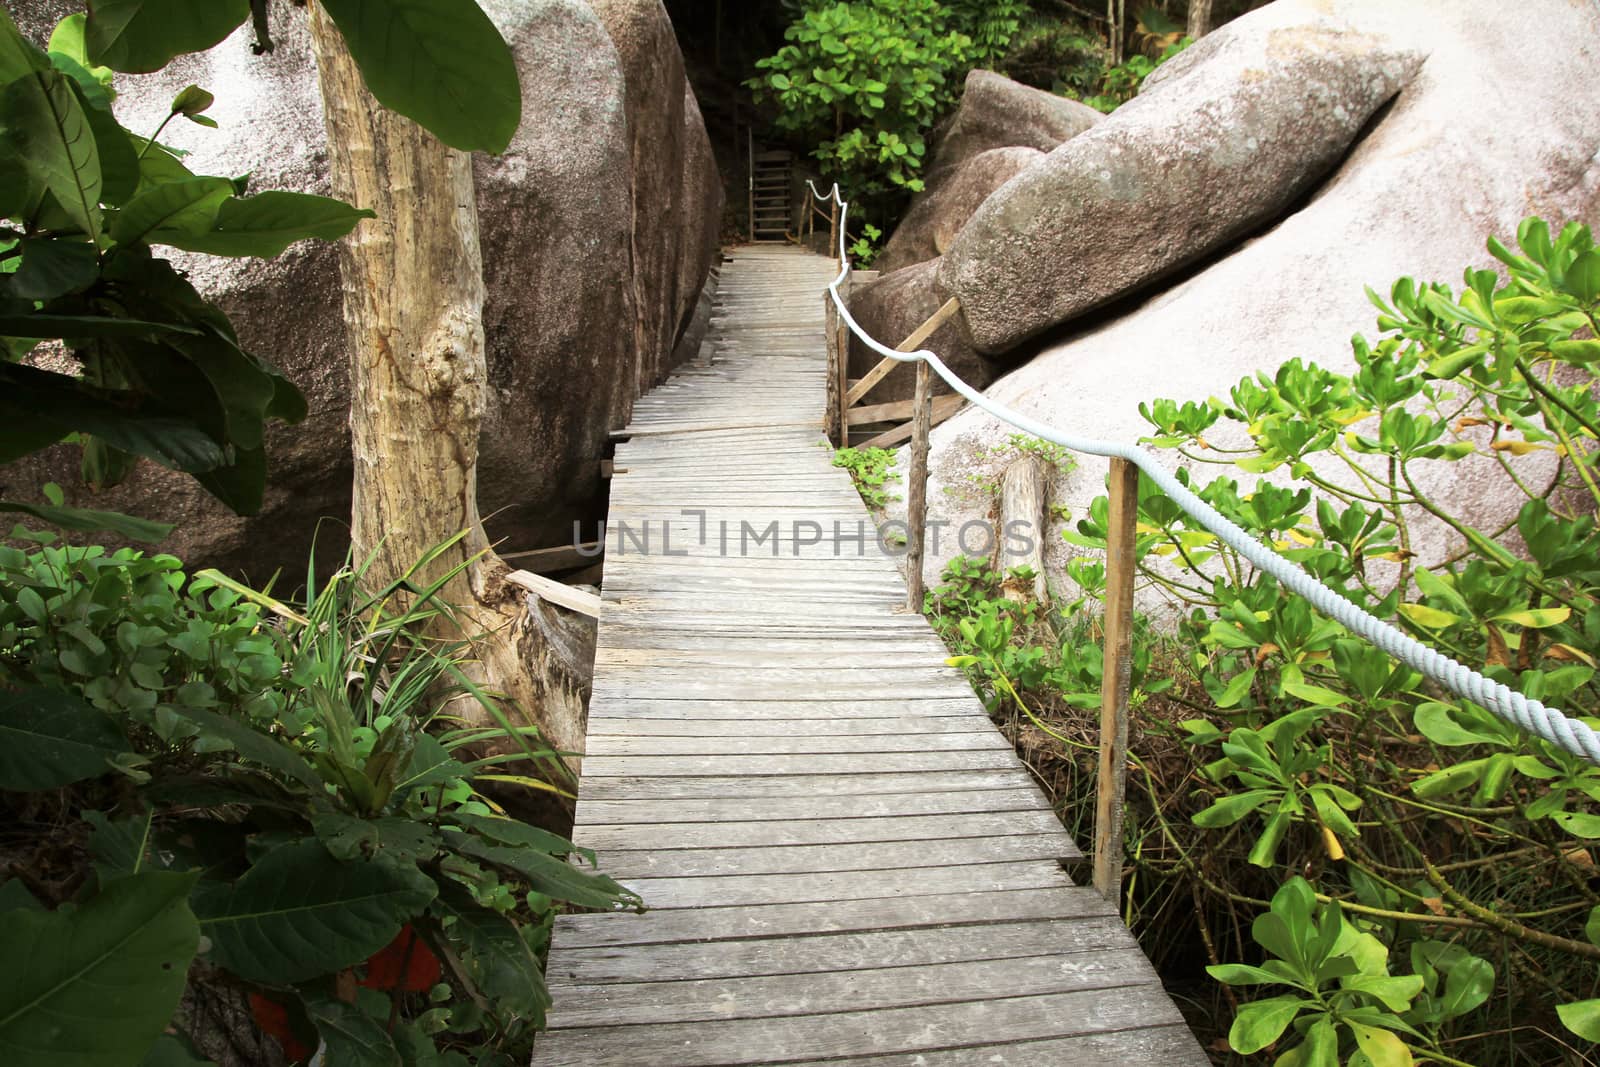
x=18 y=56
x=495 y=955
x=119 y=160
x=298 y=913
x=548 y=875
x=48 y=128
x=241 y=484
x=1382 y=1047
x=52 y=268
x=173 y=208
x=191 y=101
x=94 y=986
x=78 y=327
x=1436 y=722
x=1535 y=618
x=1428 y=618
x=1262 y=1022
x=253 y=745
x=1583 y=277
x=139 y=36
x=440 y=63
x=1585 y=351
x=1582 y=1017
x=1467 y=987
x=351 y=1037
x=50 y=738
x=1230 y=809
x=1237 y=689
x=119 y=848
x=67 y=39
x=89 y=520
x=266 y=224
x=1578 y=823
x=1395 y=993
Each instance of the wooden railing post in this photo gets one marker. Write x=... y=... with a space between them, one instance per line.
x=833 y=232
x=839 y=385
x=1116 y=680
x=833 y=424
x=917 y=484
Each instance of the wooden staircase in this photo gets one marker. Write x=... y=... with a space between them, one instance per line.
x=771 y=195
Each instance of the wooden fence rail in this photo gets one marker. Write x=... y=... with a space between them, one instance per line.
x=922 y=413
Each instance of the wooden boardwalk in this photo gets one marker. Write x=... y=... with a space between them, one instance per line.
x=845 y=862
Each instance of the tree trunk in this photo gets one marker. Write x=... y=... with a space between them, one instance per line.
x=1199 y=18
x=413 y=307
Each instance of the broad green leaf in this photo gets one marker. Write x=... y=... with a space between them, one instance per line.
x=266 y=224
x=440 y=63
x=252 y=744
x=18 y=56
x=1428 y=618
x=1582 y=1017
x=49 y=406
x=1450 y=779
x=139 y=36
x=1578 y=823
x=52 y=268
x=548 y=875
x=1466 y=987
x=1243 y=974
x=1536 y=618
x=1584 y=351
x=1583 y=277
x=1395 y=993
x=1435 y=722
x=517 y=832
x=1230 y=809
x=119 y=160
x=192 y=101
x=1382 y=1047
x=350 y=1036
x=50 y=738
x=1262 y=1022
x=75 y=327
x=96 y=985
x=495 y=955
x=1317 y=695
x=172 y=208
x=241 y=484
x=1237 y=689
x=298 y=913
x=48 y=128
x=67 y=39
x=119 y=848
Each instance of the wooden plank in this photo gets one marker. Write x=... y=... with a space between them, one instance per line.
x=775 y=996
x=663 y=894
x=814 y=765
x=563 y=595
x=728 y=786
x=665 y=926
x=804 y=859
x=910 y=1029
x=733 y=832
x=622 y=744
x=943 y=408
x=749 y=957
x=593 y=814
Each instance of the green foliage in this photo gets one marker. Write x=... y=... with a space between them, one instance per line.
x=1120 y=83
x=866 y=248
x=865 y=81
x=869 y=470
x=300 y=776
x=1427 y=829
x=163 y=374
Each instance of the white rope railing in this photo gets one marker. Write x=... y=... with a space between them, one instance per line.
x=1552 y=724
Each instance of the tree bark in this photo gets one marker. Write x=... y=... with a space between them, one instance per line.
x=1199 y=18
x=413 y=298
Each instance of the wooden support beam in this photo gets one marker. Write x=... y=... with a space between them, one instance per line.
x=917 y=485
x=553 y=591
x=1110 y=799
x=833 y=410
x=894 y=411
x=841 y=372
x=946 y=312
x=545 y=560
x=1021 y=540
x=943 y=408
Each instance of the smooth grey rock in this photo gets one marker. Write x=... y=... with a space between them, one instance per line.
x=1478 y=140
x=937 y=214
x=996 y=112
x=1172 y=175
x=556 y=215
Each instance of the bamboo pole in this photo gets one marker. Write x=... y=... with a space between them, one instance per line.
x=917 y=484
x=1116 y=680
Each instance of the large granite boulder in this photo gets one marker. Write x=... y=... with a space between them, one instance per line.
x=702 y=231
x=1476 y=141
x=996 y=112
x=937 y=214
x=557 y=224
x=1174 y=174
x=652 y=69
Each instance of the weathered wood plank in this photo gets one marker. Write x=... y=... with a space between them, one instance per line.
x=593 y=814
x=809 y=1037
x=604 y=744
x=1160 y=1046
x=727 y=786
x=805 y=859
x=736 y=834
x=662 y=926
